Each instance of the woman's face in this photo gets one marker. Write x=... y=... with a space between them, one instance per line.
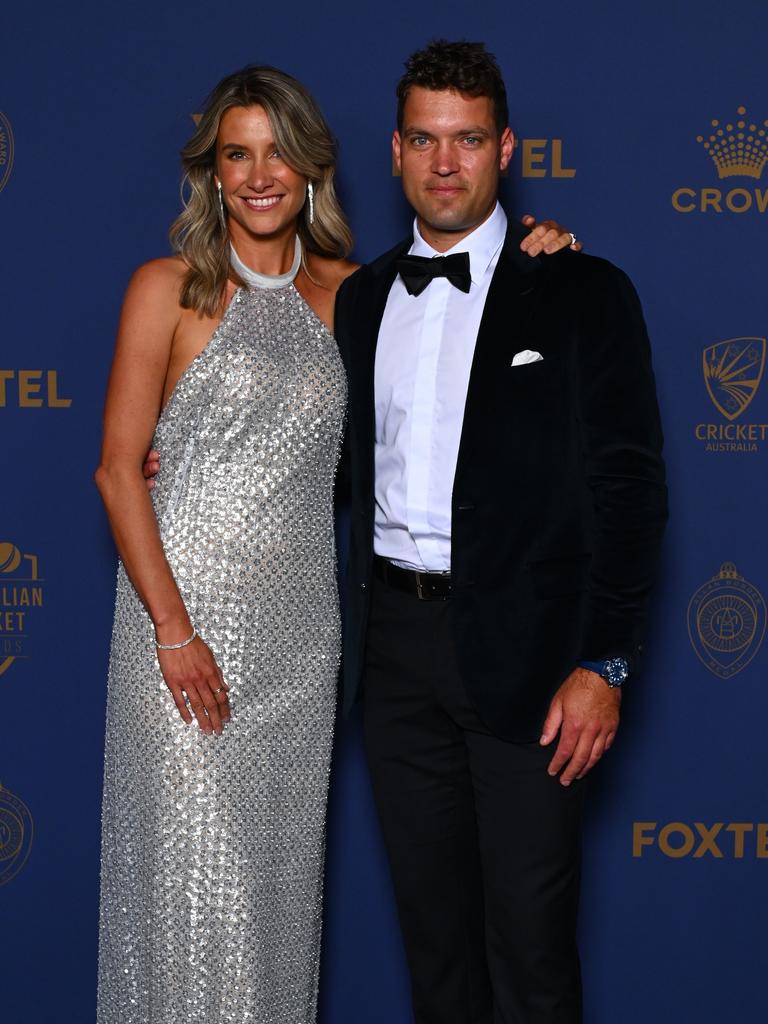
x=262 y=194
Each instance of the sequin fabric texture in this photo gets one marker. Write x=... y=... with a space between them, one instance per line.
x=212 y=850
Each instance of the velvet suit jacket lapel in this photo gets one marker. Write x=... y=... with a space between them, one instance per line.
x=512 y=298
x=380 y=277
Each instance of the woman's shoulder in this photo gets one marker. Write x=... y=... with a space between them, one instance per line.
x=154 y=291
x=158 y=282
x=331 y=273
x=164 y=271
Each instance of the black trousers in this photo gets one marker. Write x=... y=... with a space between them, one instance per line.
x=482 y=843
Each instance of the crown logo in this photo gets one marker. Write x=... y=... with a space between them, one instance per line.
x=733 y=370
x=739 y=148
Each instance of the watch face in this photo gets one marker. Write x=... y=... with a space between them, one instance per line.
x=616 y=671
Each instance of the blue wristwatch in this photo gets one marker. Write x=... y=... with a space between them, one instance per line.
x=614 y=671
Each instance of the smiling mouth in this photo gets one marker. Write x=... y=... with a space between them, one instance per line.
x=261 y=204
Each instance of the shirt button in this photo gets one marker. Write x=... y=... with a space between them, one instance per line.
x=362 y=586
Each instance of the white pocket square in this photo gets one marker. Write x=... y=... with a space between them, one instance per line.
x=526 y=356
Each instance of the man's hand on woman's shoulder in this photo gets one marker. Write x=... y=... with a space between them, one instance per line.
x=547 y=237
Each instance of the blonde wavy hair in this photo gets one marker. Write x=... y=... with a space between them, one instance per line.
x=199 y=234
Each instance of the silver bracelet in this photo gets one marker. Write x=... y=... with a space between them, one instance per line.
x=176 y=647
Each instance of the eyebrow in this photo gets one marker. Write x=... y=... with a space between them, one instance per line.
x=462 y=131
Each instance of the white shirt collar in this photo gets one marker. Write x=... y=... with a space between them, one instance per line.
x=482 y=244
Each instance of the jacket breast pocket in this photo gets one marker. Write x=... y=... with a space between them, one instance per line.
x=537 y=368
x=531 y=383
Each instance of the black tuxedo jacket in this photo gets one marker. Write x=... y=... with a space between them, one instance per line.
x=559 y=500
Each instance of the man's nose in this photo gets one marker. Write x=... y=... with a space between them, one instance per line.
x=444 y=161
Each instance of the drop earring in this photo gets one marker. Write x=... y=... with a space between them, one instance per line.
x=221 y=202
x=311 y=197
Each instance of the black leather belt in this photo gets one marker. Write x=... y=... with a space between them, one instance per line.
x=426 y=586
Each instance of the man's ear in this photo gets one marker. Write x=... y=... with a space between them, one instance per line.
x=506 y=149
x=396 y=161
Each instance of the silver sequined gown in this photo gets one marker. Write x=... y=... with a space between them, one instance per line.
x=212 y=850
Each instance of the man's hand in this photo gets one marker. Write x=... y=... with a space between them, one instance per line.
x=586 y=712
x=151 y=468
x=548 y=237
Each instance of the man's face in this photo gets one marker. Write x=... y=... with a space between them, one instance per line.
x=450 y=156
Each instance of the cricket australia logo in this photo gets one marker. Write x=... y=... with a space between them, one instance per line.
x=733 y=370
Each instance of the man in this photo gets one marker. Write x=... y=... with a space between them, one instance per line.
x=508 y=502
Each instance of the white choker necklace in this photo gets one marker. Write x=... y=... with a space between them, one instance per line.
x=256 y=280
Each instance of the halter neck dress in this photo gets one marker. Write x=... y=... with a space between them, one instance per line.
x=212 y=852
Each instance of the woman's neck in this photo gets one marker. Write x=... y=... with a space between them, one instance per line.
x=271 y=255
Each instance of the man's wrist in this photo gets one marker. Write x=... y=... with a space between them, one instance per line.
x=615 y=671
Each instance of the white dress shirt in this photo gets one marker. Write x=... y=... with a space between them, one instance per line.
x=423 y=360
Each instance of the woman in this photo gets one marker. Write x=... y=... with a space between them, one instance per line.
x=226 y=639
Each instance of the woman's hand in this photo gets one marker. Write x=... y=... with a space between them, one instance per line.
x=197 y=685
x=547 y=237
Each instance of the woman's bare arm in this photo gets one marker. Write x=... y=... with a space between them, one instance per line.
x=149 y=321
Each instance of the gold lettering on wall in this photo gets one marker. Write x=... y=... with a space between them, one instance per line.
x=32 y=389
x=735 y=840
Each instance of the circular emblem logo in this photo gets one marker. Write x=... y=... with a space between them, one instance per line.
x=726 y=622
x=6 y=150
x=10 y=557
x=15 y=835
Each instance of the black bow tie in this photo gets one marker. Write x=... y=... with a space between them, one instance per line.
x=418 y=271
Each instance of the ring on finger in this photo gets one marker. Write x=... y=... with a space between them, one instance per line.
x=573 y=238
x=220 y=690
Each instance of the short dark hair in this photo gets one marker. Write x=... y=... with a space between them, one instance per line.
x=466 y=67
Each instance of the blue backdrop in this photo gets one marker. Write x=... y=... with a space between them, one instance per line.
x=615 y=104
